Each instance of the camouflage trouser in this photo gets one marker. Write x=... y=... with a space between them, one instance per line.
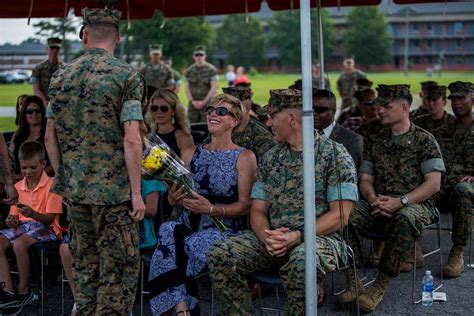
x=195 y=115
x=459 y=201
x=401 y=231
x=106 y=259
x=232 y=260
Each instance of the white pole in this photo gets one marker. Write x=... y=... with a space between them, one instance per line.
x=322 y=82
x=308 y=162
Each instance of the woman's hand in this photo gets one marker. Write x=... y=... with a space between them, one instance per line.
x=198 y=204
x=175 y=195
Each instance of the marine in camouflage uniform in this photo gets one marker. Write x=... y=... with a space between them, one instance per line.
x=42 y=73
x=280 y=186
x=347 y=81
x=354 y=110
x=456 y=140
x=156 y=72
x=422 y=110
x=201 y=84
x=435 y=97
x=393 y=167
x=91 y=99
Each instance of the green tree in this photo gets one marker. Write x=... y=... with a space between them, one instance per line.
x=178 y=37
x=286 y=35
x=367 y=37
x=58 y=27
x=242 y=41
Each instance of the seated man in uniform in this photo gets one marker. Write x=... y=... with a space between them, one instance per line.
x=400 y=173
x=435 y=103
x=276 y=242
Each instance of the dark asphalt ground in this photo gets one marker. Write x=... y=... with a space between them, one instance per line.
x=397 y=300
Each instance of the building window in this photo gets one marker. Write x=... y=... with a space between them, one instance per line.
x=430 y=59
x=416 y=43
x=416 y=60
x=416 y=27
x=458 y=60
x=429 y=27
x=429 y=43
x=458 y=43
x=458 y=27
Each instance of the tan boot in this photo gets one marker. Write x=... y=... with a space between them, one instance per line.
x=374 y=293
x=349 y=294
x=455 y=265
x=407 y=266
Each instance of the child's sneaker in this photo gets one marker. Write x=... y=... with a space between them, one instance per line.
x=7 y=299
x=21 y=301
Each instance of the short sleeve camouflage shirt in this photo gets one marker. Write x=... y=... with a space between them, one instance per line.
x=280 y=181
x=159 y=76
x=199 y=78
x=426 y=122
x=399 y=163
x=255 y=137
x=91 y=98
x=42 y=74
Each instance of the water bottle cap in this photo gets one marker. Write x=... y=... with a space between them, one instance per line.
x=428 y=272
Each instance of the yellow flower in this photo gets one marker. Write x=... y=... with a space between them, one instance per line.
x=154 y=160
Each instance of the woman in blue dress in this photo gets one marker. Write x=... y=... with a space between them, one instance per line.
x=223 y=174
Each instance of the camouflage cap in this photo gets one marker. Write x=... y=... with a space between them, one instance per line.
x=388 y=93
x=199 y=49
x=101 y=16
x=298 y=85
x=156 y=48
x=459 y=89
x=54 y=42
x=435 y=92
x=363 y=83
x=281 y=99
x=426 y=84
x=241 y=93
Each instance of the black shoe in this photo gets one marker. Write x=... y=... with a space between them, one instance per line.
x=7 y=299
x=21 y=301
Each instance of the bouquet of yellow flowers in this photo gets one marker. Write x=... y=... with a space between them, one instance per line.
x=161 y=162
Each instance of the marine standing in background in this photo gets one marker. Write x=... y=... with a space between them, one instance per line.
x=42 y=73
x=347 y=81
x=94 y=144
x=200 y=85
x=157 y=73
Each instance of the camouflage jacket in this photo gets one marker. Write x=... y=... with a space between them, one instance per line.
x=91 y=98
x=399 y=163
x=280 y=181
x=418 y=112
x=42 y=74
x=199 y=79
x=457 y=146
x=158 y=76
x=426 y=122
x=346 y=83
x=369 y=130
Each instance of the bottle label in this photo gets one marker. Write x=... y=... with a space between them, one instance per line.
x=427 y=287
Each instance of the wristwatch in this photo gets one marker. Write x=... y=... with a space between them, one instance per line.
x=404 y=200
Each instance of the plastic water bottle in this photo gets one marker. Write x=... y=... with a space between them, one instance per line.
x=427 y=287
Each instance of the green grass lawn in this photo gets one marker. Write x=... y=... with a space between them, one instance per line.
x=10 y=92
x=7 y=124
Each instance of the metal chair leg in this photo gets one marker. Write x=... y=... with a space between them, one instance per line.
x=212 y=300
x=42 y=281
x=62 y=290
x=141 y=287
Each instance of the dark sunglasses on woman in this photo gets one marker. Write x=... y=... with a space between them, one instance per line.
x=162 y=108
x=220 y=111
x=37 y=111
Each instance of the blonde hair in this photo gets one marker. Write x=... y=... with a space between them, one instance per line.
x=237 y=107
x=181 y=121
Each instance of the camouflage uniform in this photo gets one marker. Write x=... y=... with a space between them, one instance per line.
x=280 y=184
x=457 y=145
x=90 y=100
x=346 y=86
x=42 y=74
x=159 y=76
x=199 y=78
x=421 y=110
x=425 y=121
x=368 y=131
x=398 y=164
x=353 y=111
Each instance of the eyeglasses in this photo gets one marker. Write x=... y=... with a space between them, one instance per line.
x=320 y=109
x=37 y=111
x=369 y=103
x=53 y=47
x=220 y=111
x=198 y=54
x=162 y=108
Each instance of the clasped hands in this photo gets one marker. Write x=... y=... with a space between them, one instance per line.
x=384 y=206
x=278 y=242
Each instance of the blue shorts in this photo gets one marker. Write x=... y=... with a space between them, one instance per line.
x=33 y=229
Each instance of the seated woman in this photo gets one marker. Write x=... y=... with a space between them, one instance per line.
x=32 y=127
x=223 y=174
x=167 y=118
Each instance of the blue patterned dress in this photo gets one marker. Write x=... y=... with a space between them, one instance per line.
x=183 y=244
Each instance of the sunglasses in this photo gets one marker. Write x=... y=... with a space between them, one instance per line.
x=320 y=109
x=198 y=54
x=53 y=47
x=220 y=111
x=369 y=103
x=37 y=111
x=162 y=108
